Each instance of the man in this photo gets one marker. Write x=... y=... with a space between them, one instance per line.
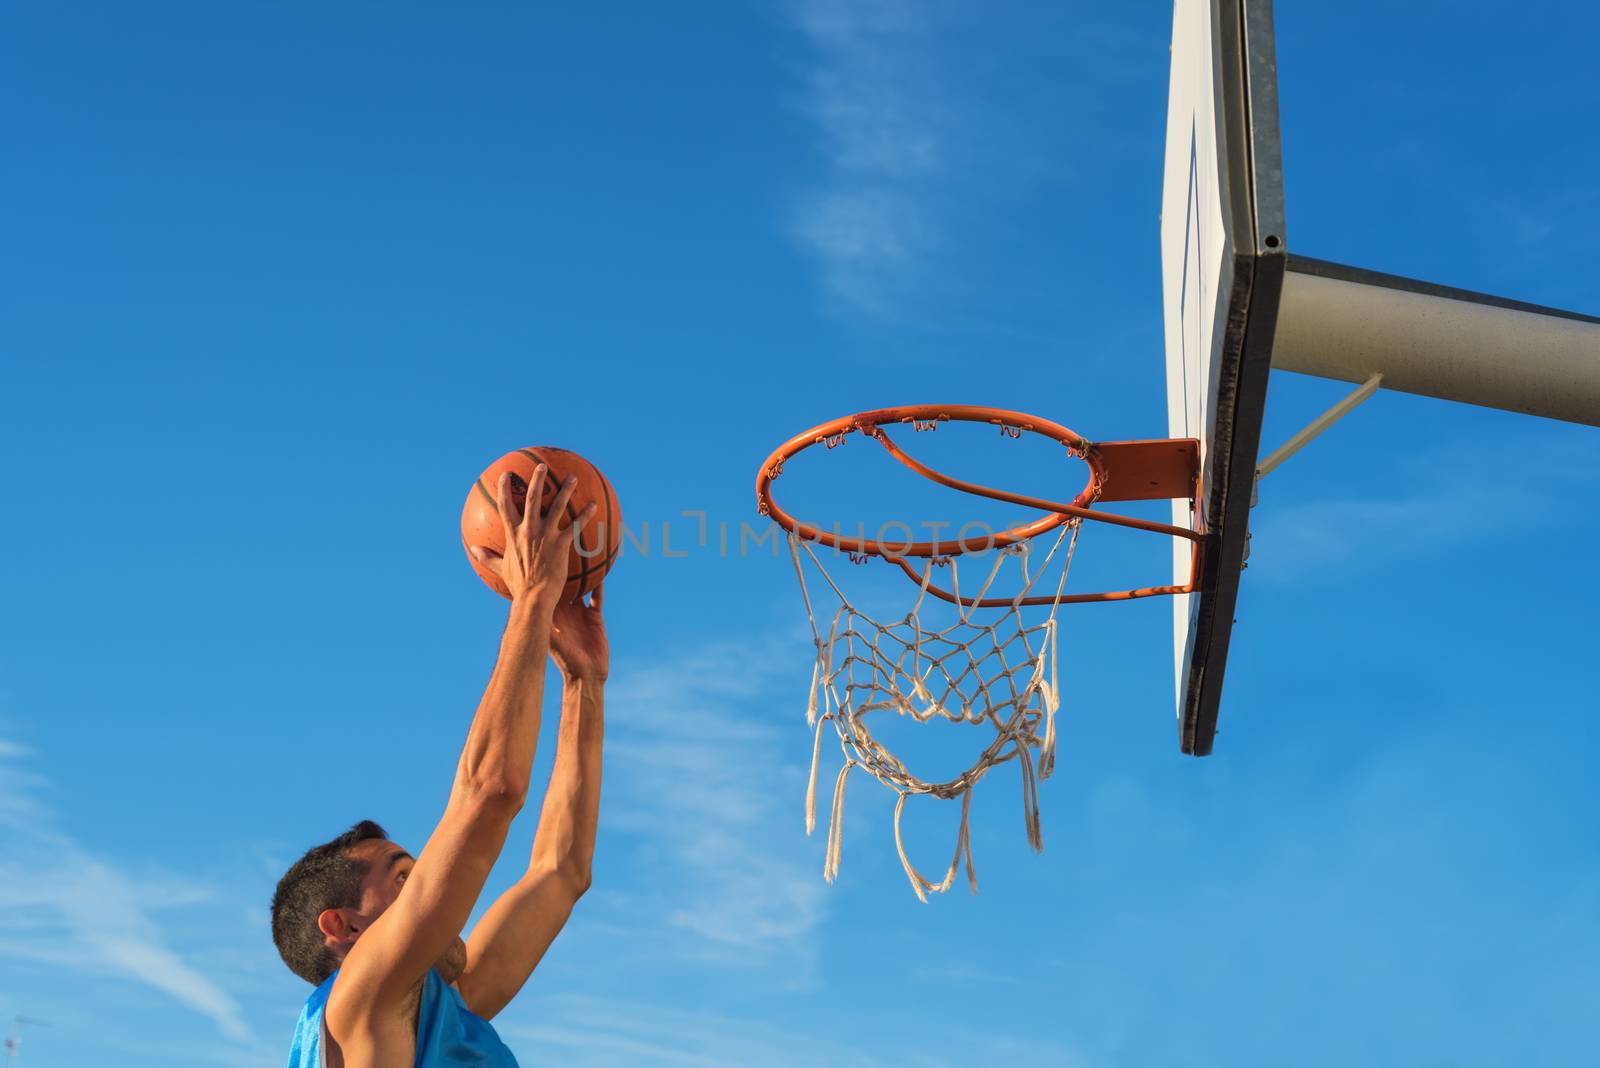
x=377 y=931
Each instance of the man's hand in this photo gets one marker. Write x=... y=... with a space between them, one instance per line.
x=578 y=640
x=534 y=563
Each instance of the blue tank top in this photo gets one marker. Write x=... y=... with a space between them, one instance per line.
x=448 y=1033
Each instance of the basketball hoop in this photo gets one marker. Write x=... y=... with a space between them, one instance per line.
x=997 y=667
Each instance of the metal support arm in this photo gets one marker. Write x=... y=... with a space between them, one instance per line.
x=1318 y=425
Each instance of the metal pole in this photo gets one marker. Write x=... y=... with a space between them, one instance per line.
x=1348 y=324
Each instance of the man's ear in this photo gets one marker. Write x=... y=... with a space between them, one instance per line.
x=340 y=927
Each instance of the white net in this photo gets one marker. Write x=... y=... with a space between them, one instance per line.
x=991 y=666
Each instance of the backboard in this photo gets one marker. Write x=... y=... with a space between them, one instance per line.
x=1223 y=255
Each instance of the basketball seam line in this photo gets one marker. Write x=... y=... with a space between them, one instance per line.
x=486 y=494
x=609 y=493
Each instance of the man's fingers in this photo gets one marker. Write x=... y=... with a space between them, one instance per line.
x=531 y=519
x=486 y=557
x=505 y=504
x=570 y=535
x=597 y=596
x=559 y=506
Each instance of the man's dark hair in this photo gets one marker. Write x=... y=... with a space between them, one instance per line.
x=327 y=877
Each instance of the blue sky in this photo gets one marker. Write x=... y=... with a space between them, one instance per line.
x=279 y=280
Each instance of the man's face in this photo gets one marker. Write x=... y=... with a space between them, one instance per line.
x=388 y=866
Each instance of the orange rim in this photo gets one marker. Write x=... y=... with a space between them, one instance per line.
x=873 y=424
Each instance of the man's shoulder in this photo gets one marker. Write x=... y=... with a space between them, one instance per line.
x=363 y=1030
x=353 y=1001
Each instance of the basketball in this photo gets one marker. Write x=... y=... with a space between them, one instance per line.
x=596 y=547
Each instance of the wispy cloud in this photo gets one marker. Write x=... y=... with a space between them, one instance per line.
x=603 y=1032
x=1424 y=504
x=874 y=97
x=937 y=126
x=710 y=790
x=1292 y=541
x=61 y=905
x=599 y=1032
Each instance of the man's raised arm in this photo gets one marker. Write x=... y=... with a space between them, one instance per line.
x=387 y=963
x=514 y=934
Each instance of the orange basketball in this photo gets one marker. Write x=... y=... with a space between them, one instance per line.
x=596 y=547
